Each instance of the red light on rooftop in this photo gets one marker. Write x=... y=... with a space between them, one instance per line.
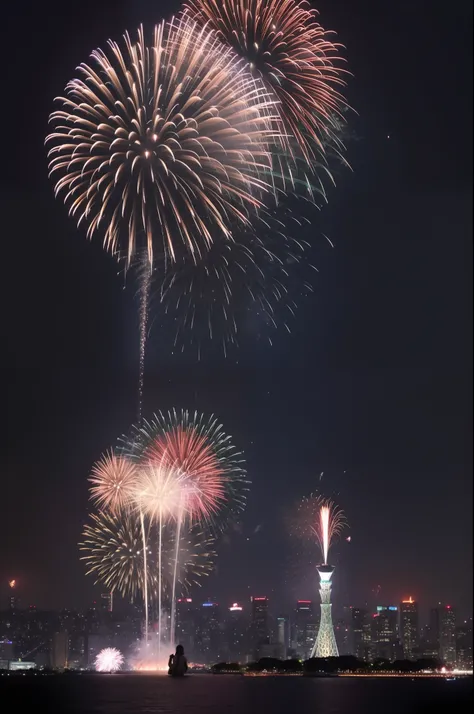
x=448 y=607
x=260 y=598
x=305 y=601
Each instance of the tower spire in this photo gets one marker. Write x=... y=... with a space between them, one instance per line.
x=325 y=645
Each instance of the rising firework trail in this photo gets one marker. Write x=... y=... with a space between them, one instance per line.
x=109 y=660
x=283 y=43
x=145 y=282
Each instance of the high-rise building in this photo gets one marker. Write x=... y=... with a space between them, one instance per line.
x=236 y=631
x=447 y=635
x=208 y=634
x=409 y=627
x=305 y=628
x=283 y=635
x=185 y=624
x=361 y=634
x=60 y=650
x=259 y=625
x=107 y=601
x=464 y=645
x=385 y=638
x=325 y=645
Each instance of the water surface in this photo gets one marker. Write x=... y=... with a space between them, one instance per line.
x=228 y=694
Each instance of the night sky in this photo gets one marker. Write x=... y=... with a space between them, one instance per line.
x=373 y=386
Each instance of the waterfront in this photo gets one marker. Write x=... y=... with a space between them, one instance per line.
x=227 y=694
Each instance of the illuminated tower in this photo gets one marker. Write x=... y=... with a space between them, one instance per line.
x=325 y=645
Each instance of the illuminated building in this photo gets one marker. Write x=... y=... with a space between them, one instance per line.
x=447 y=635
x=361 y=634
x=464 y=645
x=236 y=633
x=325 y=645
x=259 y=625
x=385 y=639
x=185 y=624
x=305 y=628
x=107 y=601
x=409 y=627
x=208 y=634
x=343 y=637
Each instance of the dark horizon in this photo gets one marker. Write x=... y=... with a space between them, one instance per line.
x=373 y=387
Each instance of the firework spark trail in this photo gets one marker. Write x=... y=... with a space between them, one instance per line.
x=158 y=495
x=324 y=526
x=157 y=143
x=145 y=574
x=109 y=659
x=283 y=43
x=317 y=517
x=145 y=283
x=329 y=525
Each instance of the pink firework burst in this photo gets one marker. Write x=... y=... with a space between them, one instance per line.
x=114 y=480
x=202 y=475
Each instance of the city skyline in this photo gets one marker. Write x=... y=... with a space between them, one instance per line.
x=242 y=632
x=367 y=398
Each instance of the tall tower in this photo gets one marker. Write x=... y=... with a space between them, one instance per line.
x=325 y=645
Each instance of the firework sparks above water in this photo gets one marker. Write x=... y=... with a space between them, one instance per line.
x=109 y=659
x=186 y=474
x=284 y=44
x=162 y=141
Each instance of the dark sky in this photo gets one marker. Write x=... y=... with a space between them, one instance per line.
x=373 y=386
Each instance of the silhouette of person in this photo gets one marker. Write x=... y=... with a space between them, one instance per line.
x=177 y=663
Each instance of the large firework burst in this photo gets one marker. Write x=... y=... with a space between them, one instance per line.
x=282 y=41
x=112 y=551
x=162 y=141
x=207 y=466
